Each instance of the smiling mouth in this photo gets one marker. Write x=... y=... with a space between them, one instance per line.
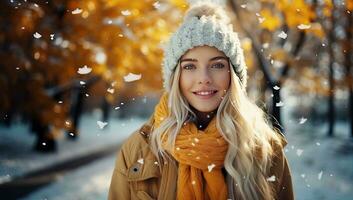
x=205 y=94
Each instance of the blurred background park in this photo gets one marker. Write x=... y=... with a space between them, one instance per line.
x=78 y=76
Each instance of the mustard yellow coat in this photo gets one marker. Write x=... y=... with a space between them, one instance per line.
x=137 y=175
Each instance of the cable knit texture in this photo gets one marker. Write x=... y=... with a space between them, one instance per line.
x=200 y=155
x=205 y=23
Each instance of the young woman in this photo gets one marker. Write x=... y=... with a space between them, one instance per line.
x=206 y=138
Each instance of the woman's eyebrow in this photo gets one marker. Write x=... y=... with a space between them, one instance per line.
x=188 y=59
x=218 y=58
x=195 y=60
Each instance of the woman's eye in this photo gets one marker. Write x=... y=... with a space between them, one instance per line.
x=218 y=65
x=188 y=67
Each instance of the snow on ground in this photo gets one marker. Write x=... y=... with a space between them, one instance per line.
x=320 y=168
x=87 y=183
x=16 y=143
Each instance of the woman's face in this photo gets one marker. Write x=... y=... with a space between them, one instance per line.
x=204 y=78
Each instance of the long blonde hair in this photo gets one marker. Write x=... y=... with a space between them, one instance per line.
x=243 y=125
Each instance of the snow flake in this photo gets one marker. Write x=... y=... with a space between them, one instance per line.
x=304 y=26
x=52 y=36
x=299 y=152
x=261 y=19
x=271 y=178
x=37 y=35
x=102 y=124
x=71 y=134
x=302 y=120
x=87 y=95
x=156 y=5
x=43 y=143
x=60 y=102
x=156 y=163
x=318 y=143
x=110 y=90
x=279 y=104
x=193 y=144
x=117 y=108
x=84 y=70
x=320 y=175
x=76 y=11
x=323 y=44
x=276 y=87
x=126 y=12
x=210 y=167
x=282 y=35
x=243 y=5
x=121 y=35
x=193 y=182
x=140 y=161
x=132 y=77
x=196 y=140
x=302 y=175
x=82 y=83
x=178 y=148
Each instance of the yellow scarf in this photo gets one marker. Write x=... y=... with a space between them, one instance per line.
x=200 y=155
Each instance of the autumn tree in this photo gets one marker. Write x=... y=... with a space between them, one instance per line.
x=53 y=52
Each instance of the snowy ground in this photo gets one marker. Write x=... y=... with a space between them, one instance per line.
x=322 y=167
x=16 y=144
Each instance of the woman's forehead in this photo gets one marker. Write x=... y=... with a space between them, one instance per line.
x=202 y=52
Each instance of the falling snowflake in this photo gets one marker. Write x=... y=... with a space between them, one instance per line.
x=140 y=161
x=279 y=104
x=276 y=87
x=193 y=182
x=132 y=77
x=210 y=167
x=320 y=175
x=156 y=163
x=261 y=19
x=102 y=124
x=302 y=120
x=156 y=5
x=37 y=35
x=126 y=12
x=76 y=11
x=282 y=35
x=43 y=143
x=84 y=70
x=243 y=5
x=117 y=108
x=82 y=83
x=271 y=178
x=110 y=90
x=304 y=26
x=52 y=36
x=302 y=175
x=299 y=152
x=318 y=143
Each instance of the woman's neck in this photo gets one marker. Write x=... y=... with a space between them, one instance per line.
x=203 y=118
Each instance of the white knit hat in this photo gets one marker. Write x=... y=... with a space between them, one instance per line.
x=205 y=23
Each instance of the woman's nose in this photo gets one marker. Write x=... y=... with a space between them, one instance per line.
x=204 y=77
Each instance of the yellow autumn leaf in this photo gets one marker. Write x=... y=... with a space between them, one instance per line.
x=271 y=22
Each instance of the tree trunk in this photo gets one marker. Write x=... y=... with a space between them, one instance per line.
x=348 y=65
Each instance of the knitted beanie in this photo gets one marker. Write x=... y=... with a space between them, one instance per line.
x=205 y=23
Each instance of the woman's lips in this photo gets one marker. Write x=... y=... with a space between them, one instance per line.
x=205 y=94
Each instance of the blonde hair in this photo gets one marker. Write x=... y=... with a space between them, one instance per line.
x=243 y=125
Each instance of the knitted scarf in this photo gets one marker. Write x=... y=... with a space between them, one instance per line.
x=200 y=155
